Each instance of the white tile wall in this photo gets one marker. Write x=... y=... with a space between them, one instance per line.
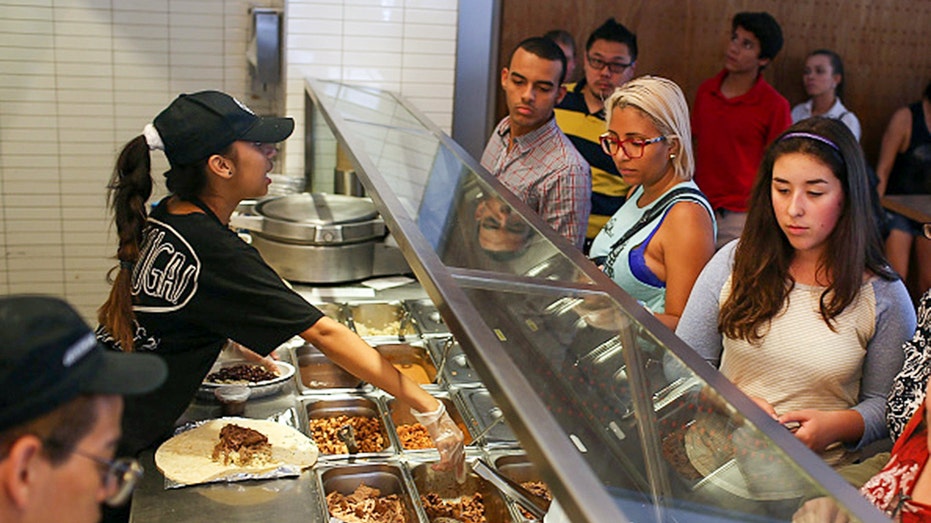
x=82 y=77
x=407 y=46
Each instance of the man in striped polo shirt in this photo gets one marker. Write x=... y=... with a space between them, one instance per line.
x=610 y=55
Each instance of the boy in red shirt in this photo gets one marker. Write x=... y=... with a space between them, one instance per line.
x=736 y=115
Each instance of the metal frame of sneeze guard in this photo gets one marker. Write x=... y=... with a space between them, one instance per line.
x=583 y=494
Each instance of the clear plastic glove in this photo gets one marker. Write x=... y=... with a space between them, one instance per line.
x=448 y=439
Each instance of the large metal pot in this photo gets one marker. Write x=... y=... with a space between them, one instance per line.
x=316 y=238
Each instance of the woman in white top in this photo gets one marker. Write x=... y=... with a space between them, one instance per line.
x=803 y=313
x=824 y=83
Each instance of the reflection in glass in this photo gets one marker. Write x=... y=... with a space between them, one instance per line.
x=501 y=233
x=485 y=233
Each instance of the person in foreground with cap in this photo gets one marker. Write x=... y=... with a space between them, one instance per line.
x=60 y=407
x=186 y=283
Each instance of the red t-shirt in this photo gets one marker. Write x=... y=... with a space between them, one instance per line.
x=890 y=489
x=731 y=135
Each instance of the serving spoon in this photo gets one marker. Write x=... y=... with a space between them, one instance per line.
x=497 y=418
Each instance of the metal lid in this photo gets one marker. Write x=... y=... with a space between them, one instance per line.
x=319 y=218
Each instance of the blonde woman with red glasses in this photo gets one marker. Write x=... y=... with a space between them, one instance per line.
x=657 y=243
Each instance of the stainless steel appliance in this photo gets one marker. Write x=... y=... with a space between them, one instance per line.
x=321 y=238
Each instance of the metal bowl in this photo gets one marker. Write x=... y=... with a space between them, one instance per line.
x=258 y=389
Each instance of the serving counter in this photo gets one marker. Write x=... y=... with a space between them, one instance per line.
x=601 y=402
x=406 y=328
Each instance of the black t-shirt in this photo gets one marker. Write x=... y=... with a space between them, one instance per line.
x=911 y=172
x=197 y=284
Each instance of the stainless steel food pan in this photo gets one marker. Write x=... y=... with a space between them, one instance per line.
x=427 y=317
x=387 y=478
x=334 y=405
x=455 y=368
x=399 y=413
x=517 y=467
x=444 y=485
x=487 y=418
x=381 y=319
x=318 y=373
x=412 y=359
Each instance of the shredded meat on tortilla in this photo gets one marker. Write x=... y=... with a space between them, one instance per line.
x=241 y=446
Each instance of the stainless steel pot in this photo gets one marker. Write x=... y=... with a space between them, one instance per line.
x=316 y=238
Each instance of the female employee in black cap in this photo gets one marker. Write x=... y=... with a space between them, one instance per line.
x=186 y=283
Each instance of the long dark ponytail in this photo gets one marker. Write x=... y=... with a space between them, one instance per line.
x=129 y=189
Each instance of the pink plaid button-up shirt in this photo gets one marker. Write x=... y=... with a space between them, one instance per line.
x=547 y=173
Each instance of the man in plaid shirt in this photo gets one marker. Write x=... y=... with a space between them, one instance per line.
x=528 y=153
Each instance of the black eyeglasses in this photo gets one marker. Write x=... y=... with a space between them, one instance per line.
x=120 y=476
x=633 y=147
x=614 y=67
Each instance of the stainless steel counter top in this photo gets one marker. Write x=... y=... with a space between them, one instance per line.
x=289 y=499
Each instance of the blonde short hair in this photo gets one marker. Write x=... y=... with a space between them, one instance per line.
x=662 y=101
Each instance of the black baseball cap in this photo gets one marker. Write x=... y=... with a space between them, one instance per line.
x=197 y=125
x=49 y=356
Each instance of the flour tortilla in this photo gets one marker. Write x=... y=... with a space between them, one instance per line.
x=185 y=458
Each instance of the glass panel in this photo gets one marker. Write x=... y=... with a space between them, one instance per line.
x=368 y=105
x=321 y=163
x=588 y=358
x=458 y=213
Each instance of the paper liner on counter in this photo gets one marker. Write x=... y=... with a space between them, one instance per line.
x=185 y=459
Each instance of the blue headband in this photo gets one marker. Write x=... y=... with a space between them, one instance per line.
x=812 y=136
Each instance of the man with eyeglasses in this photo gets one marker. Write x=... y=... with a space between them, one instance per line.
x=528 y=153
x=60 y=409
x=610 y=58
x=736 y=115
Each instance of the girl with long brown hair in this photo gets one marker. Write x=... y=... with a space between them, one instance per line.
x=803 y=312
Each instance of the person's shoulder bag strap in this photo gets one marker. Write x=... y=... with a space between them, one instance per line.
x=682 y=193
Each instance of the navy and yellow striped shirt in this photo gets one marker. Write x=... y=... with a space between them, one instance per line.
x=583 y=129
